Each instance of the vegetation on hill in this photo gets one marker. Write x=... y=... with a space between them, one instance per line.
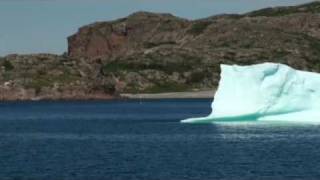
x=150 y=52
x=313 y=7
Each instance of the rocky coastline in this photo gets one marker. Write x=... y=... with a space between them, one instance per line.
x=152 y=54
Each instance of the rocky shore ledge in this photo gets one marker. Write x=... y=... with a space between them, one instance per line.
x=172 y=95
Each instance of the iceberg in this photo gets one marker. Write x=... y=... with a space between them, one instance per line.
x=264 y=92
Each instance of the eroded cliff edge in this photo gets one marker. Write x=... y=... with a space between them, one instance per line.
x=152 y=53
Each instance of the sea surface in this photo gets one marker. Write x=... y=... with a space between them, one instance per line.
x=124 y=140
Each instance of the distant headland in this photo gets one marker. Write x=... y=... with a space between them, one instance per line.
x=151 y=53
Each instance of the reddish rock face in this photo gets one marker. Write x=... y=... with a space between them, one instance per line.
x=109 y=39
x=92 y=43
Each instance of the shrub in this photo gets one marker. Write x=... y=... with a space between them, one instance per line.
x=167 y=87
x=197 y=77
x=8 y=65
x=153 y=44
x=198 y=27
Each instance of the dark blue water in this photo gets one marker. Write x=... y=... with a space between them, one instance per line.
x=144 y=140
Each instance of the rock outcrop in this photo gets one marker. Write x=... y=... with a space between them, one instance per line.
x=46 y=76
x=149 y=52
x=126 y=35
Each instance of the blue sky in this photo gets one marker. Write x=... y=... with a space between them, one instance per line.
x=34 y=26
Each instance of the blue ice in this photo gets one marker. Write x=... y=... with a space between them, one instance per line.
x=265 y=92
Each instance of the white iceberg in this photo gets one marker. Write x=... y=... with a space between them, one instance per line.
x=265 y=92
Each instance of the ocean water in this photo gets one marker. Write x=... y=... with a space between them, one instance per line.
x=126 y=140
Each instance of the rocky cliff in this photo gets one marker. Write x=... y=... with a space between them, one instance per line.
x=150 y=53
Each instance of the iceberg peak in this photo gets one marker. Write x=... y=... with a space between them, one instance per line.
x=265 y=92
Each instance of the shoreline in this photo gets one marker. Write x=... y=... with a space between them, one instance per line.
x=171 y=95
x=125 y=96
